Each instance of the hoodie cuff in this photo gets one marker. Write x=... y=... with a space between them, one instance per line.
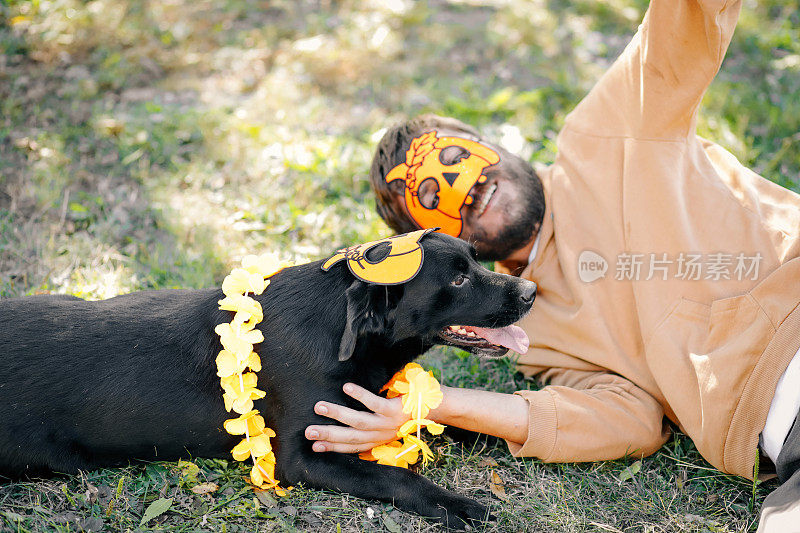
x=542 y=424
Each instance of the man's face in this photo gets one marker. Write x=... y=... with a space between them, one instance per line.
x=439 y=173
x=502 y=208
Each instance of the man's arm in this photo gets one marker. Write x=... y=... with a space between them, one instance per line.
x=587 y=416
x=590 y=416
x=653 y=90
x=470 y=409
x=477 y=410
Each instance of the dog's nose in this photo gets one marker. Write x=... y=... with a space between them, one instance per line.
x=528 y=293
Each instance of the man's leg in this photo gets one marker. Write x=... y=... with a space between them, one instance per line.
x=781 y=510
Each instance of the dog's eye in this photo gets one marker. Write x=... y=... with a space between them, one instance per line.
x=460 y=280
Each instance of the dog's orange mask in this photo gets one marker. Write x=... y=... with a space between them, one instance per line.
x=424 y=169
x=393 y=260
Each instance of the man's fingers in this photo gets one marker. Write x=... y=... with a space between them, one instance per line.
x=347 y=416
x=345 y=435
x=371 y=401
x=321 y=446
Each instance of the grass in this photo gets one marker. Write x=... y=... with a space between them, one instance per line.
x=150 y=144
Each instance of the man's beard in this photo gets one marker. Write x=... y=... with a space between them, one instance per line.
x=519 y=230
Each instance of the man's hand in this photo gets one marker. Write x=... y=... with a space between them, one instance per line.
x=366 y=430
x=475 y=410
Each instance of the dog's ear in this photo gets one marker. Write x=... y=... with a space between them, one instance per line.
x=368 y=312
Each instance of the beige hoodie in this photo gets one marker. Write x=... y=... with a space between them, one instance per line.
x=631 y=177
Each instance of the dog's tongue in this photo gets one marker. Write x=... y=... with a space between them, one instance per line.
x=512 y=337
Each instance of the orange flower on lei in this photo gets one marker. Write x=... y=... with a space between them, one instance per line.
x=420 y=392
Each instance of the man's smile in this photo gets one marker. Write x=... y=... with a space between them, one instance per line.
x=485 y=198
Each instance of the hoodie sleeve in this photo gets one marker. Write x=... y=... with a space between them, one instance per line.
x=590 y=416
x=653 y=90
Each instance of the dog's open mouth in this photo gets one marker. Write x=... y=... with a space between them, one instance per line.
x=487 y=341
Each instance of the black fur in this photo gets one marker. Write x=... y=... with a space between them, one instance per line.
x=91 y=384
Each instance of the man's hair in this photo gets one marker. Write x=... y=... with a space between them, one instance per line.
x=391 y=152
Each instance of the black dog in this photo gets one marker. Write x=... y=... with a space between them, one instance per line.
x=91 y=384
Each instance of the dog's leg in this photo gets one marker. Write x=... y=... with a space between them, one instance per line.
x=403 y=488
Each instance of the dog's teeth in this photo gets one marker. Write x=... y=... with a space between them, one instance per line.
x=462 y=331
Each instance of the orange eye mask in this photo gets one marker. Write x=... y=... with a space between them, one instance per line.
x=444 y=187
x=393 y=260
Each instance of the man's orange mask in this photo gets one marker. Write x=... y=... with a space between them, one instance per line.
x=393 y=260
x=453 y=182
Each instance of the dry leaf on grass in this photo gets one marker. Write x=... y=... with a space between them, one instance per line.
x=91 y=493
x=497 y=486
x=487 y=461
x=205 y=488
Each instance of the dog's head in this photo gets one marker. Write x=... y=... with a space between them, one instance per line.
x=452 y=300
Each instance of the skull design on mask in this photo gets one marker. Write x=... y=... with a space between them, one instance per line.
x=392 y=261
x=424 y=169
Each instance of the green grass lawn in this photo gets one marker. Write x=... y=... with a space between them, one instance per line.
x=152 y=143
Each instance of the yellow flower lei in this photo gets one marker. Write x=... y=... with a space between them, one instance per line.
x=420 y=392
x=237 y=356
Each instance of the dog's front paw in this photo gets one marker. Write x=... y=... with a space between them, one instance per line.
x=458 y=512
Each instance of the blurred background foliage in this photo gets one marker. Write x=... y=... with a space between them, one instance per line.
x=152 y=143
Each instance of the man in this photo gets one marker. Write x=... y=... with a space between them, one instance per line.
x=668 y=274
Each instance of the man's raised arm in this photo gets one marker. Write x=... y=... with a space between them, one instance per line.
x=653 y=90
